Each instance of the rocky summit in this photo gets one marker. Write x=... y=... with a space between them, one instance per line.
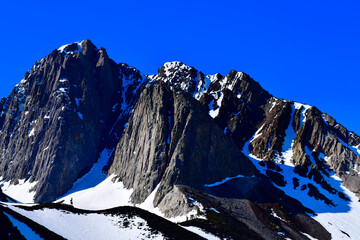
x=176 y=155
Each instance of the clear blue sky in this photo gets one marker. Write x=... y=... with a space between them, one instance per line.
x=306 y=51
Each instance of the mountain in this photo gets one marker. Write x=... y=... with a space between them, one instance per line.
x=218 y=155
x=65 y=111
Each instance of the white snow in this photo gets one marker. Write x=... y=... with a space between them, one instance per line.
x=80 y=115
x=94 y=176
x=342 y=218
x=310 y=237
x=258 y=133
x=26 y=231
x=77 y=100
x=62 y=49
x=213 y=77
x=63 y=90
x=21 y=191
x=94 y=191
x=202 y=88
x=223 y=181
x=213 y=209
x=201 y=233
x=309 y=154
x=32 y=132
x=274 y=101
x=288 y=142
x=107 y=194
x=303 y=112
x=357 y=148
x=214 y=113
x=89 y=226
x=148 y=204
x=169 y=67
x=275 y=215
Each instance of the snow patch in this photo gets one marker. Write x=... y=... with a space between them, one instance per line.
x=223 y=181
x=201 y=233
x=303 y=112
x=290 y=134
x=273 y=103
x=81 y=116
x=77 y=101
x=21 y=191
x=258 y=133
x=79 y=48
x=308 y=236
x=63 y=90
x=276 y=216
x=202 y=88
x=309 y=154
x=214 y=113
x=32 y=132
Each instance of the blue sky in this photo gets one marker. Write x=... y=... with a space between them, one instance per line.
x=306 y=51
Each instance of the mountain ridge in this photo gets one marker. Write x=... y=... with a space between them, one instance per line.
x=182 y=141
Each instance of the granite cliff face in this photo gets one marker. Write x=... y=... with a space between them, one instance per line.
x=170 y=139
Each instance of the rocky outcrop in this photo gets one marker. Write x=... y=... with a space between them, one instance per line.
x=332 y=146
x=316 y=143
x=273 y=132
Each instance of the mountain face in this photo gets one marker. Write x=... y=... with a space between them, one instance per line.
x=218 y=150
x=170 y=139
x=59 y=117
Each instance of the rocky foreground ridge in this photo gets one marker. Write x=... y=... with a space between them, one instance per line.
x=196 y=141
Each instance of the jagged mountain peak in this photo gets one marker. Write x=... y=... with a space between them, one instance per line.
x=75 y=47
x=73 y=102
x=175 y=66
x=71 y=48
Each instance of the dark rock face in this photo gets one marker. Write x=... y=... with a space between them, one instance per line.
x=272 y=132
x=57 y=119
x=170 y=139
x=333 y=141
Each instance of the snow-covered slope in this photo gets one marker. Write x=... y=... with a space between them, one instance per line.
x=61 y=221
x=91 y=225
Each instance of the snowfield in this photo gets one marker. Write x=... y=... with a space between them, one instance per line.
x=21 y=191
